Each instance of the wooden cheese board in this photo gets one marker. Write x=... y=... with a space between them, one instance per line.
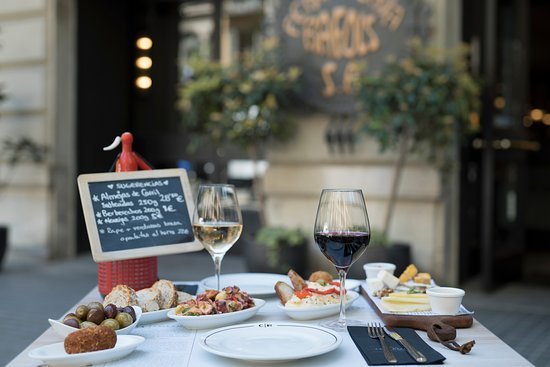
x=418 y=322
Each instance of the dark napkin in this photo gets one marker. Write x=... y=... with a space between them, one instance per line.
x=187 y=288
x=374 y=355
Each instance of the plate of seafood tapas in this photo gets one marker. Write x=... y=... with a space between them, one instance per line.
x=212 y=309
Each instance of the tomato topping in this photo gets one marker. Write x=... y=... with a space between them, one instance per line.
x=336 y=284
x=303 y=293
x=328 y=291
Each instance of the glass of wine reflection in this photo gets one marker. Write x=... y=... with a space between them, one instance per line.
x=217 y=221
x=342 y=232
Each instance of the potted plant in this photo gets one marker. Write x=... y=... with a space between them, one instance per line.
x=420 y=104
x=277 y=250
x=243 y=104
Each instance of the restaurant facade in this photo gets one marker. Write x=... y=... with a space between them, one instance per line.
x=73 y=82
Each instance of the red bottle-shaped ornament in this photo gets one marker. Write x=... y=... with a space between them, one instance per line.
x=135 y=273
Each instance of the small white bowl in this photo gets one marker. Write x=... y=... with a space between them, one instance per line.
x=372 y=269
x=218 y=320
x=445 y=300
x=316 y=312
x=63 y=330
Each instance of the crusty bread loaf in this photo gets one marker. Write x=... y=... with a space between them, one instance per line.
x=297 y=281
x=168 y=293
x=149 y=299
x=121 y=296
x=90 y=340
x=284 y=292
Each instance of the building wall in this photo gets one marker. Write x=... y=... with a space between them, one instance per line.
x=25 y=79
x=426 y=213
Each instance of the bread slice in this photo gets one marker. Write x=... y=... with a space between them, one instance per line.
x=168 y=293
x=297 y=281
x=149 y=299
x=121 y=296
x=184 y=297
x=284 y=292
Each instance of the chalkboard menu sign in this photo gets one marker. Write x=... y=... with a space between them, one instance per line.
x=137 y=214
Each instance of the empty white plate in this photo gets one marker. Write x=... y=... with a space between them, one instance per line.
x=270 y=342
x=255 y=284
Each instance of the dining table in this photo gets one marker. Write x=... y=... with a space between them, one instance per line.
x=168 y=344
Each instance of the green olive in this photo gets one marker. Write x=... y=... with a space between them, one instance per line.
x=96 y=316
x=87 y=324
x=124 y=319
x=111 y=323
x=82 y=312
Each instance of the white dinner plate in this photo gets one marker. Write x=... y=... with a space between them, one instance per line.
x=155 y=316
x=255 y=284
x=316 y=312
x=218 y=320
x=352 y=284
x=266 y=342
x=55 y=355
x=63 y=330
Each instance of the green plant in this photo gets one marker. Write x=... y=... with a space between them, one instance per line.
x=422 y=98
x=420 y=104
x=243 y=103
x=378 y=238
x=276 y=238
x=16 y=150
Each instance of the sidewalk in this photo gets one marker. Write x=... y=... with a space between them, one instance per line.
x=33 y=291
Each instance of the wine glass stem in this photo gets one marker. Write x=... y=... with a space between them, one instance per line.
x=218 y=268
x=342 y=319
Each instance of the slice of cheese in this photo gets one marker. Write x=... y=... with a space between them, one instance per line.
x=374 y=284
x=388 y=279
x=408 y=295
x=412 y=300
x=404 y=307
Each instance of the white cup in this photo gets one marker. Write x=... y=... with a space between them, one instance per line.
x=445 y=300
x=372 y=269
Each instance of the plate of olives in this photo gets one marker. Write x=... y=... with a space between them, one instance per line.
x=121 y=319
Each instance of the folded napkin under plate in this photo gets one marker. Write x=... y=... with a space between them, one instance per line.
x=374 y=355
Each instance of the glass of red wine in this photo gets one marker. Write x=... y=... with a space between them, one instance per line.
x=342 y=232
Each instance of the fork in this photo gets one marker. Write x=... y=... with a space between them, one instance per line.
x=375 y=331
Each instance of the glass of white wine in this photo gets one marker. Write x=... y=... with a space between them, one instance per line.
x=217 y=221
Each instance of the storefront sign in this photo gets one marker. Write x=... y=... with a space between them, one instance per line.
x=331 y=39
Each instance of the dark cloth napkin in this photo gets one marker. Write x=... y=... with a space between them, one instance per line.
x=374 y=355
x=187 y=288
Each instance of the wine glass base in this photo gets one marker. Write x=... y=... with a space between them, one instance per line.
x=339 y=326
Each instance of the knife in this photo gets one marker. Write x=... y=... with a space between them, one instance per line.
x=419 y=357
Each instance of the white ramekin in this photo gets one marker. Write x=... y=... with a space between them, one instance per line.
x=445 y=300
x=372 y=269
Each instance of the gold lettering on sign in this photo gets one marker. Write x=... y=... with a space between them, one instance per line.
x=326 y=73
x=340 y=32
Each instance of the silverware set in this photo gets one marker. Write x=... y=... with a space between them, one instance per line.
x=377 y=331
